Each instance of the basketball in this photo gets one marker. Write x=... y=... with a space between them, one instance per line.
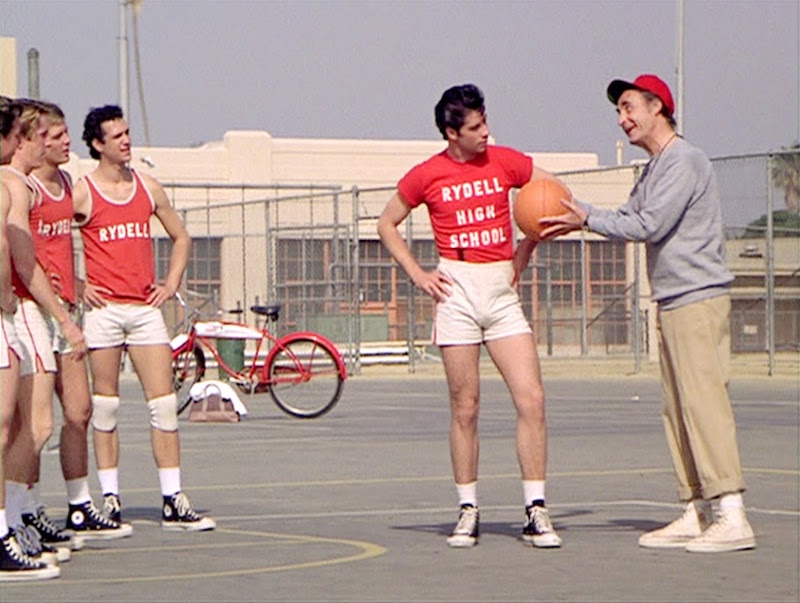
x=539 y=199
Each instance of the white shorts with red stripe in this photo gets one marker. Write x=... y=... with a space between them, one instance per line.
x=35 y=333
x=482 y=306
x=9 y=342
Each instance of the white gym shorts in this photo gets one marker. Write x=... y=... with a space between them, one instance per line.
x=61 y=344
x=482 y=305
x=9 y=342
x=117 y=324
x=34 y=332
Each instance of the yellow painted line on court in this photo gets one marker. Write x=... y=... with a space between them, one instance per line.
x=436 y=478
x=772 y=471
x=368 y=550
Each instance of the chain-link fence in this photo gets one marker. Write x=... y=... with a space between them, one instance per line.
x=761 y=214
x=316 y=251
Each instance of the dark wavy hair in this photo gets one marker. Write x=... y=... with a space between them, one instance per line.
x=92 y=125
x=10 y=110
x=456 y=102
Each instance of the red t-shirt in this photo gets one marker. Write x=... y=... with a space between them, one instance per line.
x=468 y=202
x=117 y=245
x=51 y=227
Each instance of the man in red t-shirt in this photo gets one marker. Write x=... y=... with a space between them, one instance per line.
x=466 y=190
x=113 y=207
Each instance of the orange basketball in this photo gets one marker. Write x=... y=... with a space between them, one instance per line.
x=539 y=199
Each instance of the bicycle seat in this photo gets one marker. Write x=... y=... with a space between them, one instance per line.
x=271 y=311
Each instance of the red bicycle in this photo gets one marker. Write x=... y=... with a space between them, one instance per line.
x=303 y=371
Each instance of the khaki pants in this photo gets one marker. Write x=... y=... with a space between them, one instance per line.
x=694 y=344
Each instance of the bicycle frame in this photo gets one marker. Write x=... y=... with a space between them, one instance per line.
x=256 y=374
x=303 y=371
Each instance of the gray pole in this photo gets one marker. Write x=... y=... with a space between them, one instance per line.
x=123 y=59
x=355 y=356
x=548 y=288
x=411 y=306
x=679 y=42
x=33 y=73
x=637 y=321
x=584 y=298
x=770 y=276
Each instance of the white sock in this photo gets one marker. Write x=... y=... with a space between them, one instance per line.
x=109 y=480
x=78 y=491
x=3 y=524
x=731 y=501
x=15 y=495
x=532 y=489
x=468 y=494
x=33 y=499
x=170 y=480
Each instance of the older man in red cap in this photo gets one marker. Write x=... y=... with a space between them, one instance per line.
x=675 y=209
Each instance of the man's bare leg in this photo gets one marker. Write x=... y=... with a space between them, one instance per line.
x=518 y=362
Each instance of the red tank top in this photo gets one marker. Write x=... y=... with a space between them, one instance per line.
x=117 y=245
x=51 y=227
x=20 y=289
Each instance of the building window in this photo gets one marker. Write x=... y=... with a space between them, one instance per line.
x=607 y=304
x=378 y=273
x=203 y=270
x=310 y=280
x=202 y=277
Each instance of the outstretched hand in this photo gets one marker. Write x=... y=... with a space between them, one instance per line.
x=571 y=220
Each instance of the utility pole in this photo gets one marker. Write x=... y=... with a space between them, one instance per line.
x=33 y=73
x=123 y=59
x=679 y=68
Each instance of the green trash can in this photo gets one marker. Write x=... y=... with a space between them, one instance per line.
x=232 y=353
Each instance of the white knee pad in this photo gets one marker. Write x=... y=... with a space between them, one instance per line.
x=104 y=412
x=164 y=412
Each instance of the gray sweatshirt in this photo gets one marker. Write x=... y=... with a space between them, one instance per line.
x=675 y=209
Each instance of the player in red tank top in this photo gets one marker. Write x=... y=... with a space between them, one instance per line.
x=51 y=221
x=51 y=226
x=36 y=383
x=466 y=191
x=113 y=206
x=118 y=234
x=14 y=564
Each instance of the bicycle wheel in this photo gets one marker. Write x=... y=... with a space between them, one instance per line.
x=188 y=368
x=304 y=378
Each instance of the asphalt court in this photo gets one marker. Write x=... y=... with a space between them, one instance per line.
x=354 y=506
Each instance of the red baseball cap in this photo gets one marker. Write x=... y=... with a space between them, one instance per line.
x=646 y=83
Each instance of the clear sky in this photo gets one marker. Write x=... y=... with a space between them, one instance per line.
x=357 y=69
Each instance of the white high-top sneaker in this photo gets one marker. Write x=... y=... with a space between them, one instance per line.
x=676 y=535
x=730 y=532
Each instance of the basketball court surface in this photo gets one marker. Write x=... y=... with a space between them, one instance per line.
x=355 y=505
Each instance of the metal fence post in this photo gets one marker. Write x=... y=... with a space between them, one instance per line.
x=411 y=317
x=355 y=297
x=770 y=276
x=548 y=291
x=584 y=301
x=244 y=257
x=271 y=292
x=635 y=313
